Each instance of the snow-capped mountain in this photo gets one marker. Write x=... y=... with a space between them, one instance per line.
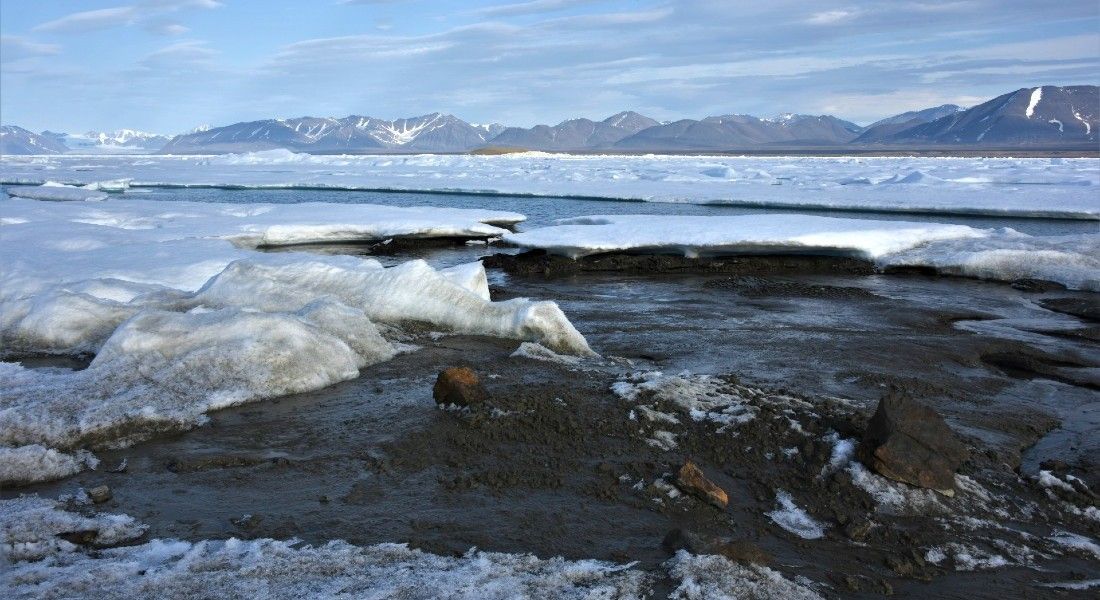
x=429 y=133
x=1042 y=116
x=115 y=141
x=575 y=134
x=16 y=140
x=890 y=126
x=1047 y=116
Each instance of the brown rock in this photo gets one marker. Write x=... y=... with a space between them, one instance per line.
x=909 y=442
x=691 y=480
x=99 y=494
x=460 y=386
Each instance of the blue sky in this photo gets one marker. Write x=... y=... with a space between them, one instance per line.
x=170 y=65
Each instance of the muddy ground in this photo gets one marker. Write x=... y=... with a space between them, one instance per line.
x=554 y=463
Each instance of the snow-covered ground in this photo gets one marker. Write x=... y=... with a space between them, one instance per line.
x=185 y=316
x=998 y=254
x=983 y=186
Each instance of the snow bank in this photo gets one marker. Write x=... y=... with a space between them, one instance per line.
x=1002 y=254
x=183 y=320
x=1032 y=187
x=717 y=235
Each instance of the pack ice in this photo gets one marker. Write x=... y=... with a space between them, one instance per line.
x=969 y=186
x=998 y=254
x=184 y=316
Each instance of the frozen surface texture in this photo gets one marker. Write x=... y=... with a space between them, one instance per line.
x=988 y=186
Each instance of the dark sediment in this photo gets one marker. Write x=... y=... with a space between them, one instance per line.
x=539 y=262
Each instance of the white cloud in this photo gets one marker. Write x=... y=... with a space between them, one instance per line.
x=123 y=16
x=830 y=17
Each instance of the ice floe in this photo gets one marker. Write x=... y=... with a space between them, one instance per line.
x=984 y=186
x=183 y=317
x=997 y=254
x=717 y=235
x=56 y=192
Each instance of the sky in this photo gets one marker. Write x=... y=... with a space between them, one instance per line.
x=168 y=66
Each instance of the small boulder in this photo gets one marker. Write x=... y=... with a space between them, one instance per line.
x=691 y=480
x=459 y=386
x=909 y=442
x=99 y=494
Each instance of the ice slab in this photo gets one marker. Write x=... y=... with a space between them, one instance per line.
x=55 y=192
x=995 y=254
x=695 y=236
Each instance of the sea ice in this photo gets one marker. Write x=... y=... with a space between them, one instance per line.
x=979 y=186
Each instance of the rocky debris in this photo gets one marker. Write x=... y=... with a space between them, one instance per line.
x=741 y=551
x=100 y=494
x=909 y=442
x=459 y=386
x=690 y=480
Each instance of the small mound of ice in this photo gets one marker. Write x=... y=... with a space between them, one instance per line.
x=539 y=352
x=717 y=578
x=111 y=185
x=918 y=177
x=34 y=463
x=795 y=520
x=30 y=529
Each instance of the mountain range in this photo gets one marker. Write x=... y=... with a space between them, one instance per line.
x=1047 y=117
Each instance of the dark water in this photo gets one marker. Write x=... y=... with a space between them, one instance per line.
x=544 y=211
